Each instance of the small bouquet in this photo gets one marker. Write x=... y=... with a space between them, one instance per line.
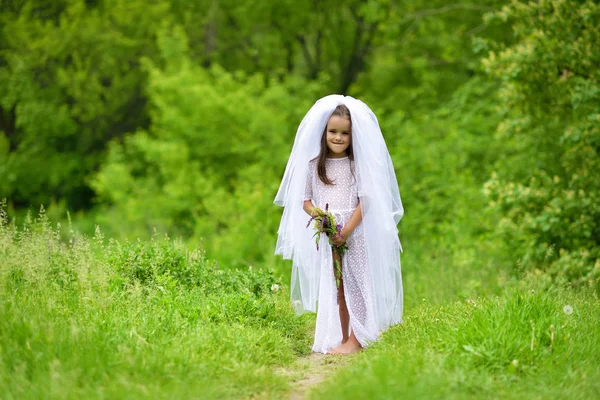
x=325 y=223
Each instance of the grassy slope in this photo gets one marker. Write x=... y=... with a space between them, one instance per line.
x=149 y=319
x=94 y=321
x=482 y=348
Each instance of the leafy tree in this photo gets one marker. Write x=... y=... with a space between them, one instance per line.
x=548 y=186
x=69 y=81
x=71 y=77
x=208 y=166
x=423 y=51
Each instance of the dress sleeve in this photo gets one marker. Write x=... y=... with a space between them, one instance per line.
x=308 y=191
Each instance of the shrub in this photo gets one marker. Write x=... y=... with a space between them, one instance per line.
x=547 y=187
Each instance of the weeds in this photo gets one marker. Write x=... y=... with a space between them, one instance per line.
x=87 y=318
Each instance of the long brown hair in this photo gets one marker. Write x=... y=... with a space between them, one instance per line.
x=340 y=111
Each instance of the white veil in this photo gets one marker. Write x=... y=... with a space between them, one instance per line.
x=379 y=199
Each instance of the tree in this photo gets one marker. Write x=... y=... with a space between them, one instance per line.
x=69 y=81
x=548 y=186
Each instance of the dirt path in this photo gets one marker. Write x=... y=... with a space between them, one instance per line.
x=310 y=371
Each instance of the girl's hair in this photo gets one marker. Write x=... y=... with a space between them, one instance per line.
x=340 y=111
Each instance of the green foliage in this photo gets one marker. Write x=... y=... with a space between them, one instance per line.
x=72 y=75
x=68 y=81
x=208 y=167
x=423 y=52
x=147 y=319
x=201 y=154
x=547 y=187
x=442 y=160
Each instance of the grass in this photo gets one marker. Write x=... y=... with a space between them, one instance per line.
x=137 y=320
x=519 y=345
x=148 y=319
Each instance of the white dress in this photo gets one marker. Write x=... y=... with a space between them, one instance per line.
x=342 y=198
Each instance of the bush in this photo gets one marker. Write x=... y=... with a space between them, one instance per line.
x=207 y=168
x=547 y=187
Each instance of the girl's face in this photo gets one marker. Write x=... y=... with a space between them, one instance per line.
x=339 y=136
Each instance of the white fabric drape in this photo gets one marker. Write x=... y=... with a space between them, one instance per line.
x=379 y=200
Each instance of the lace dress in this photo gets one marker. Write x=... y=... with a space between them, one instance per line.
x=342 y=198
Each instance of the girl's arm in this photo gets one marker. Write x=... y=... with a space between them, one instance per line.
x=308 y=207
x=349 y=228
x=353 y=222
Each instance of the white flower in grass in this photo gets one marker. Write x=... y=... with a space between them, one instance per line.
x=568 y=309
x=274 y=288
x=297 y=303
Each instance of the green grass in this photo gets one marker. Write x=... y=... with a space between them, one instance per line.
x=148 y=319
x=520 y=345
x=137 y=320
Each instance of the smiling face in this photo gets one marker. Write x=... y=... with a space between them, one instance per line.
x=339 y=136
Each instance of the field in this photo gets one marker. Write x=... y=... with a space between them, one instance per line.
x=88 y=319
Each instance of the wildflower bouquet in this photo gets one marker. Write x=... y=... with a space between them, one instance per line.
x=325 y=223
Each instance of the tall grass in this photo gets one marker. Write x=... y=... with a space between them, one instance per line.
x=89 y=319
x=522 y=344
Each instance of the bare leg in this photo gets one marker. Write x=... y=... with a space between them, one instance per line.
x=343 y=308
x=349 y=342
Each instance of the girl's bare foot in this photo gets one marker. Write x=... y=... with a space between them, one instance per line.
x=351 y=346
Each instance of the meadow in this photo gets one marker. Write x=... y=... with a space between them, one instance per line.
x=92 y=318
x=137 y=320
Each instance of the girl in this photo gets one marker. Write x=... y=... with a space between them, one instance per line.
x=340 y=161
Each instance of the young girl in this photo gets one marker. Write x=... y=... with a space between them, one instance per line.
x=340 y=162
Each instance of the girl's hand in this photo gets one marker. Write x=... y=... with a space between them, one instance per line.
x=316 y=211
x=340 y=239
